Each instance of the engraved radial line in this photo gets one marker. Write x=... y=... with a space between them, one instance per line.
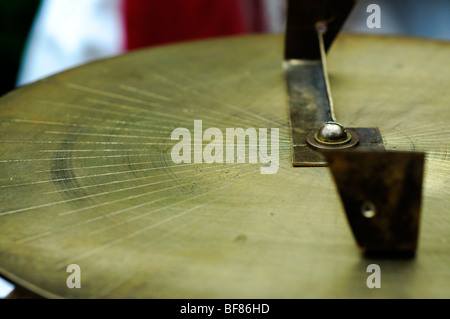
x=162 y=208
x=103 y=135
x=97 y=109
x=133 y=179
x=212 y=112
x=104 y=93
x=89 y=196
x=67 y=158
x=422 y=127
x=103 y=166
x=100 y=156
x=85 y=222
x=93 y=150
x=48 y=233
x=231 y=106
x=70 y=200
x=136 y=196
x=252 y=115
x=44 y=234
x=445 y=152
x=105 y=291
x=82 y=125
x=118 y=122
x=141 y=216
x=418 y=134
x=438 y=160
x=80 y=142
x=67 y=179
x=112 y=165
x=179 y=119
x=166 y=115
x=29 y=184
x=173 y=230
x=150 y=94
x=134 y=150
x=125 y=164
x=430 y=158
x=134 y=234
x=134 y=108
x=125 y=114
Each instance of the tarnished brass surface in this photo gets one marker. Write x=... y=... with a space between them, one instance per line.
x=86 y=175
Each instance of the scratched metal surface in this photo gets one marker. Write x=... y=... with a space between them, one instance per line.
x=86 y=175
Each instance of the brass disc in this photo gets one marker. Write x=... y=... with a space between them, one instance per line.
x=87 y=178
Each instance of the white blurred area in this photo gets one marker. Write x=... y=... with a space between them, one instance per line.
x=5 y=288
x=69 y=33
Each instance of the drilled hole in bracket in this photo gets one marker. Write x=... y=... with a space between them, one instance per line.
x=368 y=209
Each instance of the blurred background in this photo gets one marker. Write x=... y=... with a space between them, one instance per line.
x=16 y=18
x=41 y=37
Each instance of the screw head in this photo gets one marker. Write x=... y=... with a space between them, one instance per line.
x=331 y=132
x=332 y=135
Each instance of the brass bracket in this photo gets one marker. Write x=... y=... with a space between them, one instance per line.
x=311 y=28
x=381 y=193
x=380 y=190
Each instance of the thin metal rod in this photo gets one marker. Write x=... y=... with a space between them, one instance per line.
x=321 y=28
